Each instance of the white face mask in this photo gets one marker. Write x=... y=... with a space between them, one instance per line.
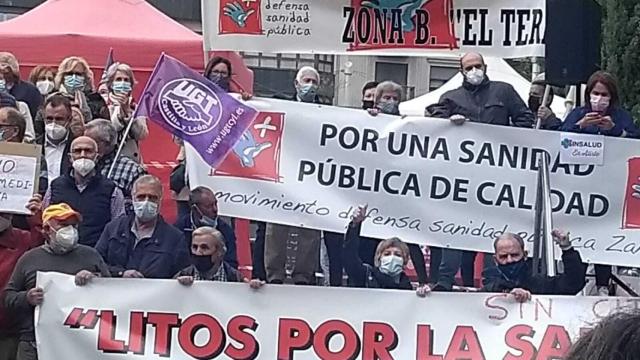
x=45 y=86
x=600 y=103
x=65 y=240
x=55 y=132
x=84 y=166
x=475 y=76
x=145 y=210
x=391 y=265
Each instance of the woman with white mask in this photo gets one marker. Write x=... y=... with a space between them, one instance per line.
x=43 y=77
x=392 y=256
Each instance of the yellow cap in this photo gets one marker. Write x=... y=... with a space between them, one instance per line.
x=59 y=211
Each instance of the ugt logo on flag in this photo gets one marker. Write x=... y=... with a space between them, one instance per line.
x=193 y=108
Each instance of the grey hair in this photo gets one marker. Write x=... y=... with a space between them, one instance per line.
x=388 y=86
x=122 y=67
x=147 y=179
x=509 y=236
x=195 y=196
x=307 y=70
x=215 y=235
x=104 y=129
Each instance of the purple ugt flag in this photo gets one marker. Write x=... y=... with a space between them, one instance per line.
x=193 y=108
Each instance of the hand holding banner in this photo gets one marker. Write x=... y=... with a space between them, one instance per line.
x=143 y=319
x=458 y=186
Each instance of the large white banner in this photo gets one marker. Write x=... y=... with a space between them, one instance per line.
x=425 y=180
x=499 y=28
x=155 y=319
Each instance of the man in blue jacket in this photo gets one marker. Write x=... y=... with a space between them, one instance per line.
x=143 y=244
x=204 y=212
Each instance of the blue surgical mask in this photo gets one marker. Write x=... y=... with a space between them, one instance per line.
x=145 y=210
x=204 y=220
x=307 y=92
x=515 y=272
x=121 y=87
x=3 y=85
x=73 y=82
x=391 y=265
x=389 y=107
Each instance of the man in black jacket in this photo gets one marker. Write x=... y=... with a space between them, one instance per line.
x=484 y=101
x=95 y=197
x=513 y=273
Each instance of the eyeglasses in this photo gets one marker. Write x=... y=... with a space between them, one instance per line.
x=76 y=73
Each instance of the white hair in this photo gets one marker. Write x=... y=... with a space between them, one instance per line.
x=216 y=235
x=388 y=86
x=306 y=71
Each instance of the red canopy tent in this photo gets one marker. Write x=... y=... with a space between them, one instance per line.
x=138 y=34
x=136 y=30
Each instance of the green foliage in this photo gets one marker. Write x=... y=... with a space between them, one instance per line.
x=621 y=48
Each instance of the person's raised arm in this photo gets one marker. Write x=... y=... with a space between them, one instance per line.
x=353 y=265
x=573 y=280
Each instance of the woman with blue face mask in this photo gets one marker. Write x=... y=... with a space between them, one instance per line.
x=117 y=89
x=387 y=99
x=75 y=78
x=392 y=256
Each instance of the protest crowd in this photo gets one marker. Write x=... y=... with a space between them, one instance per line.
x=97 y=211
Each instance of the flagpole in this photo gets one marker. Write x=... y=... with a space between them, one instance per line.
x=124 y=140
x=133 y=118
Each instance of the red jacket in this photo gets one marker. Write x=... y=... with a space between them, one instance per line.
x=14 y=243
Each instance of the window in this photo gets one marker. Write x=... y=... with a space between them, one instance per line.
x=396 y=72
x=440 y=75
x=274 y=73
x=7 y=16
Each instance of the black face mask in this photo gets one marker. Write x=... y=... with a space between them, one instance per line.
x=534 y=103
x=367 y=104
x=202 y=262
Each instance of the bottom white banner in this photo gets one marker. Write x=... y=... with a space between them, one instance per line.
x=156 y=319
